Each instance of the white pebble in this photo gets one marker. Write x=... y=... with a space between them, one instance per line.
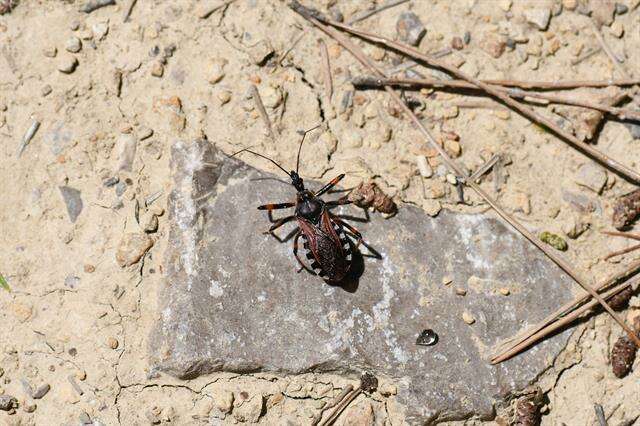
x=423 y=166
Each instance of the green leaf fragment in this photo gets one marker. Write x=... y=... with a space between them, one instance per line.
x=4 y=284
x=554 y=240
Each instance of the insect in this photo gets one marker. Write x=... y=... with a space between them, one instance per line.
x=327 y=248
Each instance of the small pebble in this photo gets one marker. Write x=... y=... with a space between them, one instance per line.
x=502 y=114
x=453 y=148
x=591 y=176
x=112 y=342
x=41 y=391
x=73 y=45
x=538 y=17
x=617 y=29
x=89 y=268
x=100 y=30
x=74 y=25
x=71 y=282
x=29 y=406
x=504 y=291
x=73 y=200
x=493 y=45
x=468 y=318
x=466 y=38
x=217 y=73
x=457 y=43
x=144 y=133
x=132 y=247
x=151 y=224
x=410 y=29
x=224 y=97
x=423 y=166
x=81 y=375
x=46 y=90
x=621 y=9
x=84 y=418
x=109 y=182
x=157 y=69
x=67 y=64
x=446 y=280
x=8 y=402
x=452 y=179
x=50 y=52
x=461 y=291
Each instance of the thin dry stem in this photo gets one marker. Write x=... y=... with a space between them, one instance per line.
x=263 y=112
x=328 y=80
x=621 y=252
x=341 y=406
x=333 y=403
x=368 y=13
x=547 y=326
x=311 y=15
x=558 y=323
x=516 y=93
x=608 y=50
x=588 y=150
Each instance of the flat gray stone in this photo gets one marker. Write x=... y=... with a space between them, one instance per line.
x=232 y=299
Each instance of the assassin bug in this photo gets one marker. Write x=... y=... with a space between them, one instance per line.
x=324 y=235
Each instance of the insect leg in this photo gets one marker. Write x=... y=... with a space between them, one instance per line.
x=276 y=206
x=330 y=185
x=278 y=223
x=339 y=202
x=286 y=237
x=295 y=253
x=353 y=230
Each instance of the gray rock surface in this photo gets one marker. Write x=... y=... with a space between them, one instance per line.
x=232 y=299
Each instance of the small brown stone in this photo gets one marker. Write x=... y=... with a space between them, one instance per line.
x=88 y=268
x=457 y=43
x=112 y=342
x=157 y=70
x=132 y=247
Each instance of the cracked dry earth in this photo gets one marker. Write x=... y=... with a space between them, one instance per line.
x=78 y=321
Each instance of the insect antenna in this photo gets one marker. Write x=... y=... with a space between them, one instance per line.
x=259 y=155
x=304 y=134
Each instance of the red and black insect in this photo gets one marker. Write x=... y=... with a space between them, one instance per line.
x=324 y=234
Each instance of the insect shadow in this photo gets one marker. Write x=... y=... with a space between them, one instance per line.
x=351 y=281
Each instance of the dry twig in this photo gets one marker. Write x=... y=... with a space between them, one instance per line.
x=612 y=56
x=207 y=10
x=341 y=406
x=263 y=112
x=314 y=16
x=367 y=13
x=588 y=150
x=333 y=403
x=128 y=9
x=328 y=81
x=565 y=315
x=514 y=92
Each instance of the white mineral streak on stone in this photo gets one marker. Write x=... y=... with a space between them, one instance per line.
x=478 y=257
x=381 y=312
x=186 y=209
x=341 y=333
x=215 y=290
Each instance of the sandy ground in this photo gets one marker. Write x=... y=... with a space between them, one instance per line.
x=77 y=321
